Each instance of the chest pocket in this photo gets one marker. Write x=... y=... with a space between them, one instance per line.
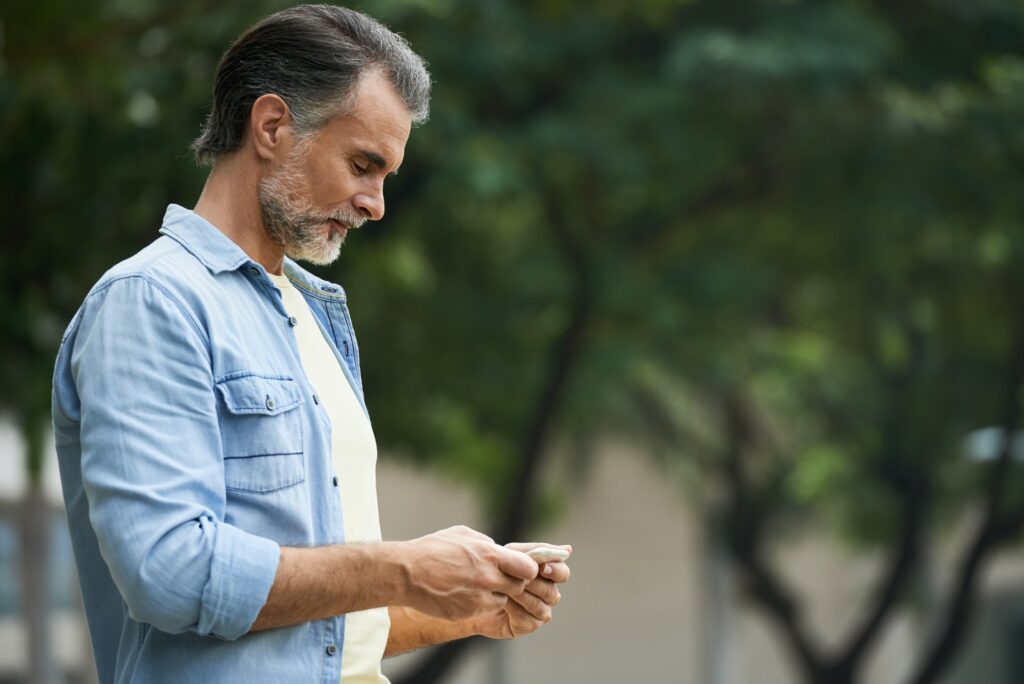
x=261 y=432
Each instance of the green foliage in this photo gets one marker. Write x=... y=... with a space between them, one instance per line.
x=815 y=206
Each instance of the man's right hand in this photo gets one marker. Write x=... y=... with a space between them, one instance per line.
x=458 y=573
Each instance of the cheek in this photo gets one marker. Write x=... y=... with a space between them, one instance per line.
x=330 y=183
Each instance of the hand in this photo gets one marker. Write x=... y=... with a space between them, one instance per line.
x=459 y=573
x=530 y=610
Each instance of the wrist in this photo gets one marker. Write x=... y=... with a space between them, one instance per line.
x=397 y=569
x=467 y=627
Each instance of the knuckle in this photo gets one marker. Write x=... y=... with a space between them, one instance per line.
x=547 y=592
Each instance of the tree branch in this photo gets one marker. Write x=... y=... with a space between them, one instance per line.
x=564 y=356
x=745 y=538
x=912 y=490
x=996 y=528
x=893 y=580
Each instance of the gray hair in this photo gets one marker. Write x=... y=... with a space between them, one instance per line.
x=312 y=56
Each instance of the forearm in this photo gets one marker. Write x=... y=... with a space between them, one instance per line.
x=321 y=582
x=411 y=629
x=455 y=573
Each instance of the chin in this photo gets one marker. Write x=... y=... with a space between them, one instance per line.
x=326 y=254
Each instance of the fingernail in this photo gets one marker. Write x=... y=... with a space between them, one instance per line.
x=547 y=570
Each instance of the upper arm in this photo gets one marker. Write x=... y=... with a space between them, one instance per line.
x=152 y=466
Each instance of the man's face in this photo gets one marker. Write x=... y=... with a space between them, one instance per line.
x=334 y=180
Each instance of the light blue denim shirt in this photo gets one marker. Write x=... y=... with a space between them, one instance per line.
x=191 y=447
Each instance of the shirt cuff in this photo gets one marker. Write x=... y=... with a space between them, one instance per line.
x=243 y=570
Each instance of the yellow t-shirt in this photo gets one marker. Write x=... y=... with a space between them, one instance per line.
x=354 y=450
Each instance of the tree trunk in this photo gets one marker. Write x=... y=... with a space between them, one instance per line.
x=34 y=533
x=565 y=354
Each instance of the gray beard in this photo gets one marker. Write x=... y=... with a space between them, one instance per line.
x=294 y=226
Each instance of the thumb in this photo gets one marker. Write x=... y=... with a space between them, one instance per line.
x=516 y=564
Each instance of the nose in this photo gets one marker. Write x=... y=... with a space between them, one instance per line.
x=370 y=205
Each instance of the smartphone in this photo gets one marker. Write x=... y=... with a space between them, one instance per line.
x=547 y=554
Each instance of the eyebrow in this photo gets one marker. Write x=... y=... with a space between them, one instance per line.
x=378 y=161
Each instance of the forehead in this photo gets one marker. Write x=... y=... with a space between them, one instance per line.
x=378 y=122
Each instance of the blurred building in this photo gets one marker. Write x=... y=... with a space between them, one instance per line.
x=69 y=636
x=653 y=597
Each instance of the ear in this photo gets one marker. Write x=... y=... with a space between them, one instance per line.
x=271 y=127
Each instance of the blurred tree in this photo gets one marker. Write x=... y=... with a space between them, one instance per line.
x=779 y=242
x=783 y=241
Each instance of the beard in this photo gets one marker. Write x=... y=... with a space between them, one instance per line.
x=293 y=222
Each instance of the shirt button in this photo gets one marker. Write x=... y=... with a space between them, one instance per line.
x=271 y=404
x=293 y=321
x=335 y=480
x=331 y=649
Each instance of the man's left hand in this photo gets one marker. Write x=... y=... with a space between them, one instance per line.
x=530 y=610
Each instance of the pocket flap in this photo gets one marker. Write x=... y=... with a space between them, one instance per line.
x=259 y=394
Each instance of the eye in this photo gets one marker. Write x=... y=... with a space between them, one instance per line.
x=359 y=169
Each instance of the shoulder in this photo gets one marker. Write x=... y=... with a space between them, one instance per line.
x=161 y=281
x=164 y=264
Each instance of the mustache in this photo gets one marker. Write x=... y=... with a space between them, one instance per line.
x=348 y=219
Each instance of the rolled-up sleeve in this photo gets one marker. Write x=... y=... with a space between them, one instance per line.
x=152 y=466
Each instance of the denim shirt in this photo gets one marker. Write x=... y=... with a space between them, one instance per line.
x=191 y=447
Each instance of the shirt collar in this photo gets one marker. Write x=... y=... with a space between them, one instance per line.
x=219 y=253
x=203 y=240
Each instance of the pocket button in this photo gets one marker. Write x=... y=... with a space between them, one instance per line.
x=271 y=403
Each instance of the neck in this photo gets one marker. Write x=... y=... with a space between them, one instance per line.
x=230 y=202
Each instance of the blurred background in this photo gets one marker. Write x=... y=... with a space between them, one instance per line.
x=729 y=295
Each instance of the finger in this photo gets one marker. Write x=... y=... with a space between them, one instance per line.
x=533 y=605
x=508 y=586
x=545 y=590
x=522 y=621
x=556 y=571
x=516 y=564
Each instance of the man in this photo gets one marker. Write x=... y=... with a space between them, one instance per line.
x=216 y=457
